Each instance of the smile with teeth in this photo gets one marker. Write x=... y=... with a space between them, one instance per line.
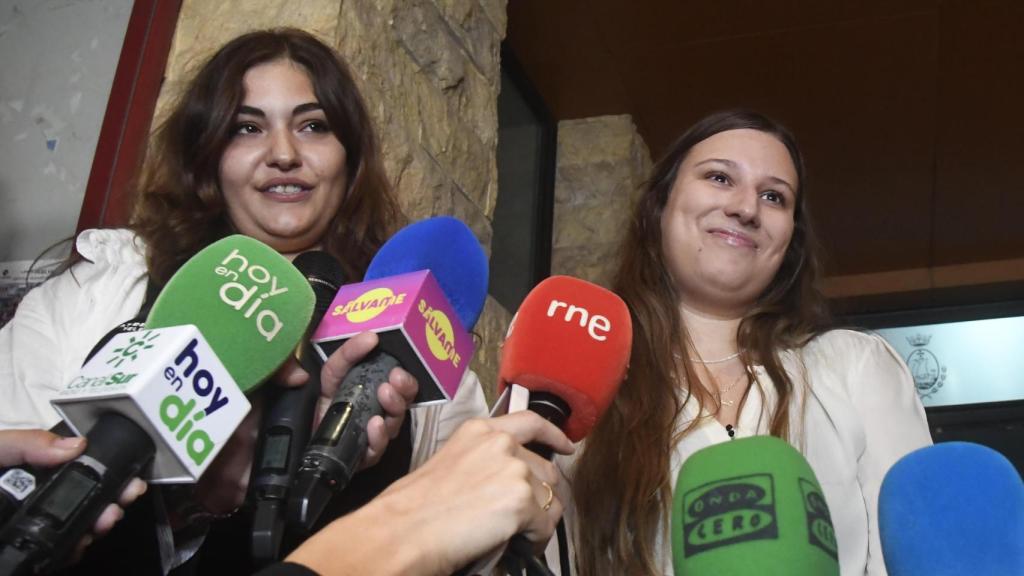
x=285 y=189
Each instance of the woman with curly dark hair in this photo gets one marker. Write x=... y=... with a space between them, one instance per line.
x=270 y=139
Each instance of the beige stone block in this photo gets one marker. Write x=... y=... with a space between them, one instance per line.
x=577 y=184
x=595 y=262
x=475 y=32
x=497 y=12
x=472 y=165
x=366 y=43
x=422 y=31
x=465 y=210
x=591 y=140
x=476 y=104
x=590 y=223
x=422 y=187
x=205 y=26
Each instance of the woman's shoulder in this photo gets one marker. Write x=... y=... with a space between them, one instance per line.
x=113 y=260
x=847 y=352
x=111 y=246
x=845 y=343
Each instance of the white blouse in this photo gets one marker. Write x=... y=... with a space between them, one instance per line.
x=861 y=414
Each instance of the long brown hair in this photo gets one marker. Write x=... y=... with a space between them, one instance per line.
x=621 y=482
x=179 y=207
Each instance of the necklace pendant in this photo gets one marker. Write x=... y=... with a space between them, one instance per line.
x=728 y=402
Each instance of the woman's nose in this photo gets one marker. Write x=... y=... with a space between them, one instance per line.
x=744 y=206
x=283 y=152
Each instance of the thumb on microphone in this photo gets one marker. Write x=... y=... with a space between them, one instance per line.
x=37 y=448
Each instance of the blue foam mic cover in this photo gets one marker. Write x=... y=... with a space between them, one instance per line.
x=446 y=247
x=955 y=508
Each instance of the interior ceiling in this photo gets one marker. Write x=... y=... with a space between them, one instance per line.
x=908 y=112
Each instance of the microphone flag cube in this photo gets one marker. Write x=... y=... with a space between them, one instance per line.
x=414 y=322
x=169 y=382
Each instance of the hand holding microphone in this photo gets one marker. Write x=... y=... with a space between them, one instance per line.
x=44 y=449
x=424 y=288
x=482 y=487
x=565 y=355
x=395 y=395
x=291 y=412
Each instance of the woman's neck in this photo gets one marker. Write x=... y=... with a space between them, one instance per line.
x=291 y=255
x=712 y=335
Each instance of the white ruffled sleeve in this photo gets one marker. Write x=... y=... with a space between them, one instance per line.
x=433 y=425
x=884 y=396
x=58 y=322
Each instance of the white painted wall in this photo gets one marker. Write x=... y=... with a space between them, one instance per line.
x=57 y=63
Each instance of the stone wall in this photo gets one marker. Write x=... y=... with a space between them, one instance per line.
x=429 y=72
x=602 y=162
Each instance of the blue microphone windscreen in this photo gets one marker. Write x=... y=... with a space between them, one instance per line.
x=446 y=247
x=952 y=509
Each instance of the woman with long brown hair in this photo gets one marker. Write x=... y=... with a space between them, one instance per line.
x=731 y=339
x=270 y=139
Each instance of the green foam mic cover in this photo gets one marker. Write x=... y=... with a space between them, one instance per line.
x=751 y=506
x=249 y=302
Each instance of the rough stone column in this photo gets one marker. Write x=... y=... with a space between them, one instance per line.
x=601 y=164
x=429 y=72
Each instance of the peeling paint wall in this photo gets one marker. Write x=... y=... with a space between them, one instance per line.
x=57 y=63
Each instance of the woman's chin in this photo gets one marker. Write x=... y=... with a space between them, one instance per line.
x=287 y=242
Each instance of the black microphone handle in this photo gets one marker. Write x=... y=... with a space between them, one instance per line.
x=287 y=427
x=288 y=419
x=555 y=410
x=340 y=442
x=47 y=528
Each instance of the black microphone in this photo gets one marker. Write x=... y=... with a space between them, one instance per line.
x=421 y=291
x=48 y=528
x=288 y=419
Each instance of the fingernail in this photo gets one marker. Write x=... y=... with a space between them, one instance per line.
x=69 y=443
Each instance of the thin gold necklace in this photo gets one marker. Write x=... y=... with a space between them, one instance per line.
x=723 y=391
x=679 y=356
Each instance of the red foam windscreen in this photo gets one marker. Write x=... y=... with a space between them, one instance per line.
x=572 y=339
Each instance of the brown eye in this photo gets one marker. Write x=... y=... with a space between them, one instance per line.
x=316 y=126
x=718 y=177
x=243 y=128
x=774 y=197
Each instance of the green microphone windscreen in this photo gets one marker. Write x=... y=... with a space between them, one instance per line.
x=249 y=302
x=751 y=506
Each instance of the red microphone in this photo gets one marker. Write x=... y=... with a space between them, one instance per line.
x=566 y=352
x=569 y=346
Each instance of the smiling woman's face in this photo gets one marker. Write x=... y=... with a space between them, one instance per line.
x=729 y=219
x=283 y=172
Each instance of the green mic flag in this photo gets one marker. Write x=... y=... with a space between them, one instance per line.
x=751 y=506
x=248 y=301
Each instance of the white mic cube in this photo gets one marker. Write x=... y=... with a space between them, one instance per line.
x=170 y=383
